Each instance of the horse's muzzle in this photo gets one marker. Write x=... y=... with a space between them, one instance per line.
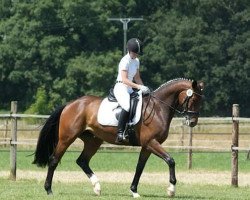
x=191 y=122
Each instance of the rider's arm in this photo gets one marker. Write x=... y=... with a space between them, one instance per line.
x=125 y=80
x=137 y=78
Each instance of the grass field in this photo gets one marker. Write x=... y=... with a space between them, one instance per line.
x=126 y=161
x=122 y=161
x=30 y=189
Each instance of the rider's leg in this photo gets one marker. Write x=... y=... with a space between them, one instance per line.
x=123 y=119
x=123 y=97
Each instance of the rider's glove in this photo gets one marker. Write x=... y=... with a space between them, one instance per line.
x=144 y=89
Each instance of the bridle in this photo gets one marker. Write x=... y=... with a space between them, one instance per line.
x=185 y=103
x=185 y=111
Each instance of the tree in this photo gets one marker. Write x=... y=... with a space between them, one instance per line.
x=191 y=42
x=41 y=104
x=69 y=49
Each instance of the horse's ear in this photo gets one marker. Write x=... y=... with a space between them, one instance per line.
x=194 y=84
x=201 y=85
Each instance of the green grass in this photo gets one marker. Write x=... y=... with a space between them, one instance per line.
x=31 y=189
x=123 y=161
x=126 y=161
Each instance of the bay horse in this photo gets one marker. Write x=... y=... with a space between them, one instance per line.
x=78 y=119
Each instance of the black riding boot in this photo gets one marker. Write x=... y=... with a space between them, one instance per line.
x=123 y=118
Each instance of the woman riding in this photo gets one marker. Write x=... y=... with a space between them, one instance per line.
x=127 y=79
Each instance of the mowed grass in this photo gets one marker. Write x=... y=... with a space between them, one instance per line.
x=31 y=189
x=114 y=160
x=123 y=161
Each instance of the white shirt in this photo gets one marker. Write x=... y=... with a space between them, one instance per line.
x=128 y=64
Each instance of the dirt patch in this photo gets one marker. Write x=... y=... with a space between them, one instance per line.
x=188 y=177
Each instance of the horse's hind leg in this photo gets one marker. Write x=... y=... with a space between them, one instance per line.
x=53 y=162
x=91 y=145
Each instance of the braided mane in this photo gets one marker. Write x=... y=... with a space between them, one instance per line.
x=172 y=81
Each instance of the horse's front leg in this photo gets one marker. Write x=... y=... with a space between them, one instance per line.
x=156 y=148
x=144 y=155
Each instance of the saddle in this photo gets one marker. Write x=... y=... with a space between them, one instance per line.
x=129 y=132
x=134 y=98
x=109 y=112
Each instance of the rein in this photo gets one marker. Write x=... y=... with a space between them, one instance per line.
x=163 y=102
x=146 y=108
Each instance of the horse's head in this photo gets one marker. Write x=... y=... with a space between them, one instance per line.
x=190 y=100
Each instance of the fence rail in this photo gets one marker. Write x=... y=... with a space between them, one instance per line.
x=32 y=142
x=15 y=115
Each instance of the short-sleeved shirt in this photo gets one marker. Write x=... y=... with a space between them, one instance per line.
x=128 y=64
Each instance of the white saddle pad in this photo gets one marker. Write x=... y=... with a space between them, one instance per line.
x=107 y=111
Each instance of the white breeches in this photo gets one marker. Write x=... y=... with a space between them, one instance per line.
x=122 y=94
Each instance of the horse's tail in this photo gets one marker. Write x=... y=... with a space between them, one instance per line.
x=48 y=139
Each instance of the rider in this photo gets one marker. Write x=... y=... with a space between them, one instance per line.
x=128 y=78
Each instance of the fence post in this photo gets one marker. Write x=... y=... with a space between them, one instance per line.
x=235 y=143
x=13 y=147
x=190 y=151
x=248 y=155
x=182 y=132
x=6 y=131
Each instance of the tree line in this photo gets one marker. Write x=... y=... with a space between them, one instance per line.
x=53 y=51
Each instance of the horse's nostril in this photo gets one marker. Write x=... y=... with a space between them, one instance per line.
x=192 y=124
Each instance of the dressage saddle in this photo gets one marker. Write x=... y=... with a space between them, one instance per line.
x=133 y=103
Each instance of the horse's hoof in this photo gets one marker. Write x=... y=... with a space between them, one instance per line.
x=135 y=194
x=97 y=189
x=171 y=193
x=49 y=192
x=171 y=190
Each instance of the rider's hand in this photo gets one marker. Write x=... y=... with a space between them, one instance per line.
x=144 y=89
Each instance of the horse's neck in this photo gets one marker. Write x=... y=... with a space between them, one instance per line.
x=169 y=93
x=168 y=96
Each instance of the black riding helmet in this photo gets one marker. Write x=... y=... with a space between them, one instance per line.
x=135 y=45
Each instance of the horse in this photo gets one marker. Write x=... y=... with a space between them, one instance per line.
x=78 y=119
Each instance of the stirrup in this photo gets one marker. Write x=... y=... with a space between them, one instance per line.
x=119 y=138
